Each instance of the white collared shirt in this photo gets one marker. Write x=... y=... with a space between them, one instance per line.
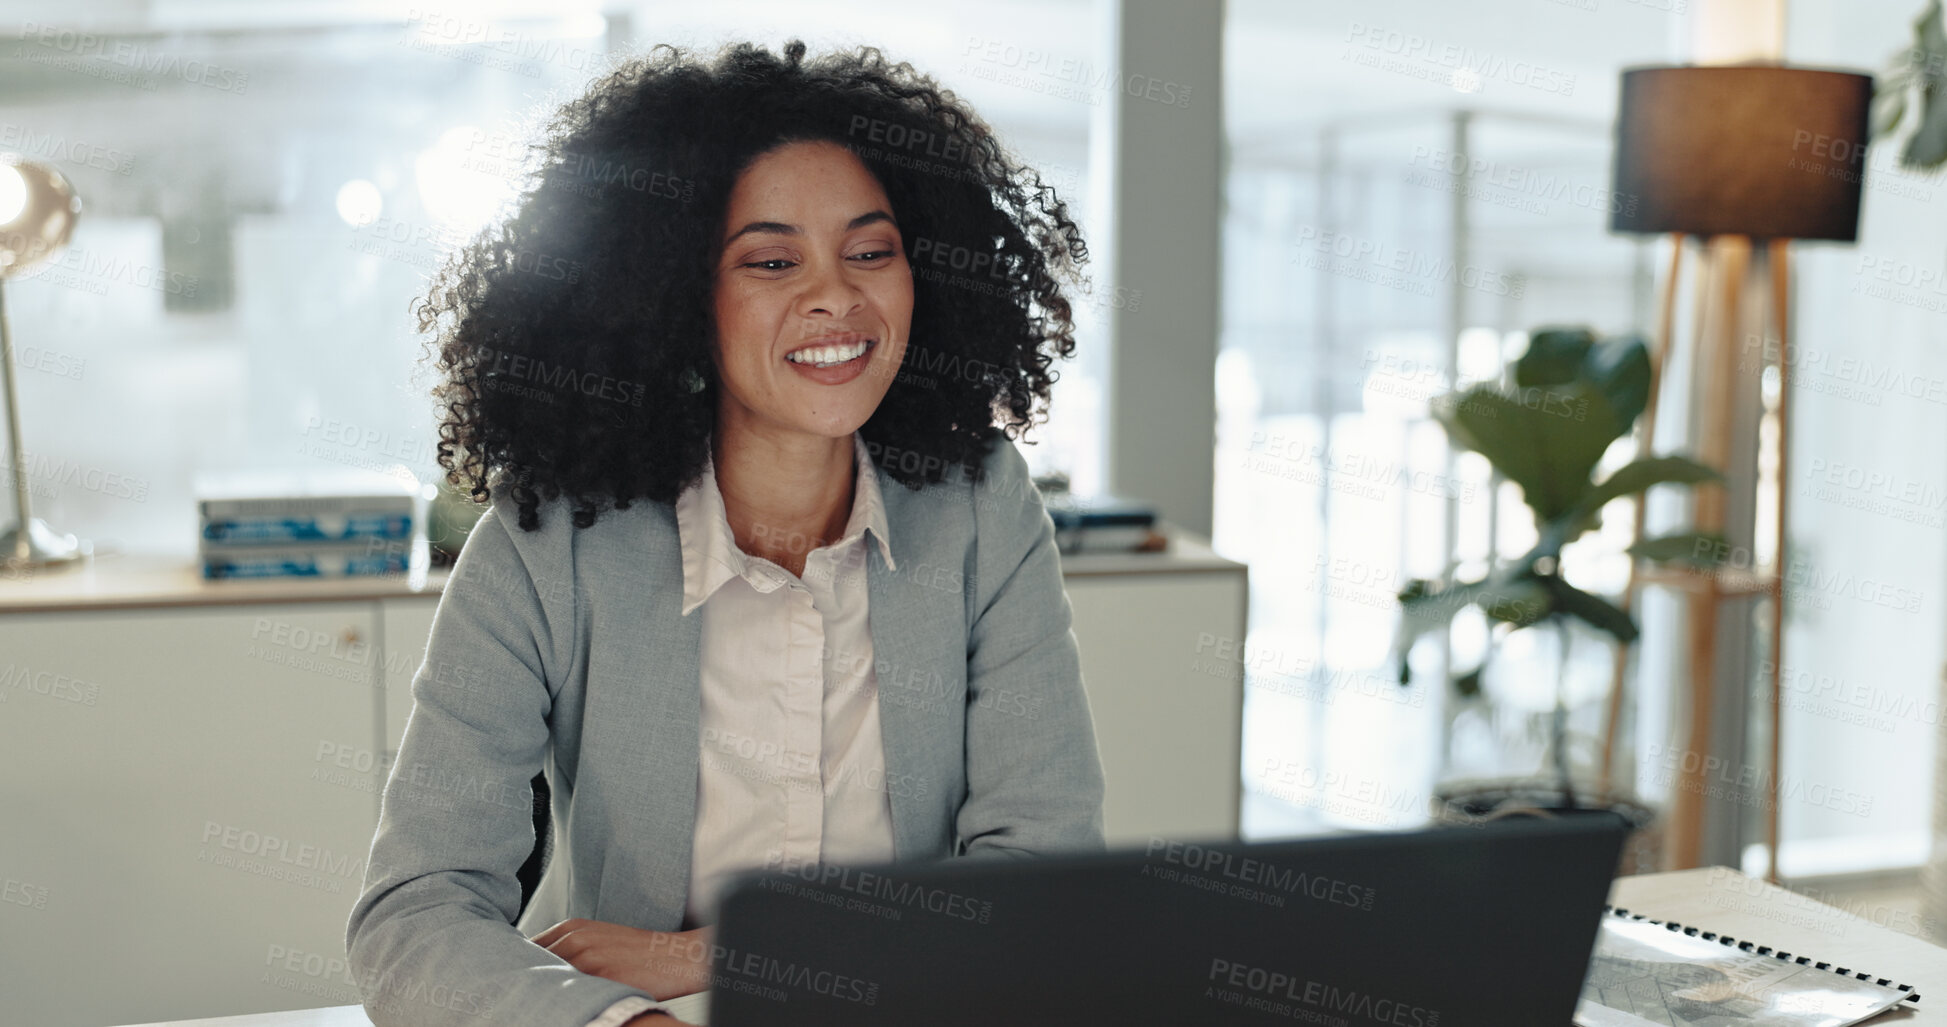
x=792 y=765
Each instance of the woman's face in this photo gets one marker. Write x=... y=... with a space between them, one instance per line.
x=812 y=271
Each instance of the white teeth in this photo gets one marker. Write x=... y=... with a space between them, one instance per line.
x=826 y=356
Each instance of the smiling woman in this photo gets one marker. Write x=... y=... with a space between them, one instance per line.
x=632 y=187
x=684 y=606
x=808 y=299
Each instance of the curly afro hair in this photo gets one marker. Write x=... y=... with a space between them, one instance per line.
x=573 y=341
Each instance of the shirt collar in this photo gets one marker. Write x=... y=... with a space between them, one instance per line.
x=710 y=552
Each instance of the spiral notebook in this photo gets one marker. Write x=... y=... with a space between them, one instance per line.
x=1646 y=972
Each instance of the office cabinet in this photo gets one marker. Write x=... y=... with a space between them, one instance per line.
x=190 y=773
x=175 y=814
x=1170 y=734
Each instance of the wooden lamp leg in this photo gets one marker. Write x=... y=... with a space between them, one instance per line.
x=1659 y=352
x=1780 y=312
x=1717 y=359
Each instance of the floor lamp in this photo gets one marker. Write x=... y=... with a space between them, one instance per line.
x=37 y=212
x=1745 y=158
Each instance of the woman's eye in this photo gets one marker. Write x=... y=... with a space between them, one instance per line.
x=874 y=255
x=765 y=264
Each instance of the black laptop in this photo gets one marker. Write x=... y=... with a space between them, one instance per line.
x=1488 y=924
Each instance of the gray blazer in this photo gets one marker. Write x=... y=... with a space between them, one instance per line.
x=563 y=649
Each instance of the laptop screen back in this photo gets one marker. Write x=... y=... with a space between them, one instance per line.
x=1489 y=924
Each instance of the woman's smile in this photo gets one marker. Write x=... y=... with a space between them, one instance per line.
x=833 y=361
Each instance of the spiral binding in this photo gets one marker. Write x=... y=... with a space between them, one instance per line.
x=1755 y=949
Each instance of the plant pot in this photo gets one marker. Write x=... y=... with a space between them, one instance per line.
x=1470 y=802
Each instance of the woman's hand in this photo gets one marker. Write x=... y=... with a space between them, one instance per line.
x=666 y=964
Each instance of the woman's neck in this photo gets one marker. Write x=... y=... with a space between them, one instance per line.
x=784 y=493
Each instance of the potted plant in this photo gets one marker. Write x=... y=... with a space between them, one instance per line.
x=1572 y=396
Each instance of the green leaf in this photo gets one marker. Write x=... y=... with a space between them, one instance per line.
x=1491 y=424
x=1927 y=147
x=1520 y=602
x=1593 y=610
x=1424 y=609
x=1695 y=548
x=1635 y=477
x=1620 y=368
x=1554 y=357
x=1415 y=588
x=1545 y=440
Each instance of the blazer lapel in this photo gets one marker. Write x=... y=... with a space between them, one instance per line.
x=642 y=723
x=913 y=628
x=893 y=629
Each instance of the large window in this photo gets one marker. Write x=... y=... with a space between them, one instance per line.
x=267 y=187
x=1413 y=187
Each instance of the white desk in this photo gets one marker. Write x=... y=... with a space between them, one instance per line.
x=1714 y=898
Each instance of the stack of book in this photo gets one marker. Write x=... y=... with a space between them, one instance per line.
x=315 y=524
x=1100 y=523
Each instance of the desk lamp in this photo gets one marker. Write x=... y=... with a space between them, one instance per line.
x=37 y=212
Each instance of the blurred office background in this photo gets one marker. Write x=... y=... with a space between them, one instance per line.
x=1407 y=188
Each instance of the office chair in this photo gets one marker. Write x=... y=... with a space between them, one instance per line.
x=529 y=874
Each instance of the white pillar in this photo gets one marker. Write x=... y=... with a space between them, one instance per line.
x=1159 y=175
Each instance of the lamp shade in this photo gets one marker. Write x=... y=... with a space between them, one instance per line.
x=1759 y=150
x=37 y=212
